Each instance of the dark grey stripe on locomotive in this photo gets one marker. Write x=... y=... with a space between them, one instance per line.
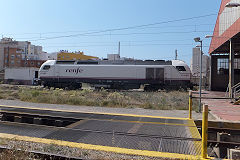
x=110 y=81
x=101 y=80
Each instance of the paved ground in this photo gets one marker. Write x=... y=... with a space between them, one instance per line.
x=221 y=109
x=138 y=111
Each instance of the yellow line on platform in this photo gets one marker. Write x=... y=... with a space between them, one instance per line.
x=99 y=148
x=160 y=123
x=195 y=134
x=116 y=114
x=193 y=130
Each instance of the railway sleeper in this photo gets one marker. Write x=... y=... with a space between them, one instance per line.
x=37 y=120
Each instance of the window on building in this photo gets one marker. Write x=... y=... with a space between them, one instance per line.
x=18 y=62
x=237 y=66
x=12 y=56
x=18 y=56
x=12 y=62
x=222 y=65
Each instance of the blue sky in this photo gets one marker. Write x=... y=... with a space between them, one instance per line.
x=50 y=22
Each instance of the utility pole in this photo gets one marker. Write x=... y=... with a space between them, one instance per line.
x=200 y=81
x=176 y=54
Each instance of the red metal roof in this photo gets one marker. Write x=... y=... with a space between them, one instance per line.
x=220 y=38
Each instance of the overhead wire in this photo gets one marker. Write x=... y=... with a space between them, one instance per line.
x=126 y=28
x=77 y=31
x=137 y=26
x=144 y=26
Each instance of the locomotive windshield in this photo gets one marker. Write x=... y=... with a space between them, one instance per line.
x=46 y=67
x=180 y=68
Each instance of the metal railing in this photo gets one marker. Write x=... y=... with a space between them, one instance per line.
x=235 y=90
x=227 y=92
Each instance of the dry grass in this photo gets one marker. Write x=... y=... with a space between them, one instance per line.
x=162 y=100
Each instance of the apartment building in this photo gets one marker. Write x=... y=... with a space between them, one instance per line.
x=13 y=58
x=195 y=66
x=12 y=53
x=20 y=60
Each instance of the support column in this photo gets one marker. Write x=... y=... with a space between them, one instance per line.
x=210 y=74
x=204 y=131
x=231 y=69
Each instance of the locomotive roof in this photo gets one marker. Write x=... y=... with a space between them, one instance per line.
x=117 y=62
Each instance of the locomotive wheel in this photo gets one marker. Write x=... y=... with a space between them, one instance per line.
x=74 y=86
x=150 y=88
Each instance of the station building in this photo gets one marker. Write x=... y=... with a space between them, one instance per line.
x=225 y=47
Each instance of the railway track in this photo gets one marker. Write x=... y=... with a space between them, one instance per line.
x=220 y=136
x=121 y=131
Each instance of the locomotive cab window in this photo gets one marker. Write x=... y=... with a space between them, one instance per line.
x=46 y=67
x=180 y=68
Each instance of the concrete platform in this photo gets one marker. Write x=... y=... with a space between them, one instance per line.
x=221 y=109
x=137 y=111
x=126 y=134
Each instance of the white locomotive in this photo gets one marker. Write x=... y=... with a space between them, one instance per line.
x=116 y=74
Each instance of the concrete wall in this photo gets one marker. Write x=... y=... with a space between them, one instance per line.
x=22 y=75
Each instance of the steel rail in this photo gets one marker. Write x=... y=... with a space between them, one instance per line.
x=224 y=143
x=44 y=115
x=211 y=97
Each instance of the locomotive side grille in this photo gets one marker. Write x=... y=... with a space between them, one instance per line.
x=159 y=74
x=155 y=74
x=150 y=73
